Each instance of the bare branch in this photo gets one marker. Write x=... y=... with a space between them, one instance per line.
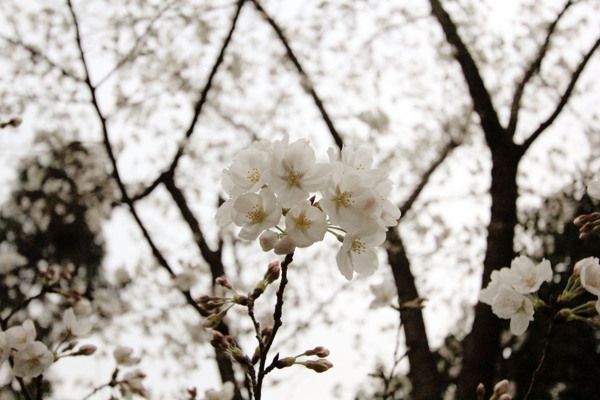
x=306 y=82
x=482 y=102
x=198 y=106
x=533 y=69
x=38 y=54
x=563 y=99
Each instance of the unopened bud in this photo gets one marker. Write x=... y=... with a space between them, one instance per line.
x=285 y=245
x=266 y=332
x=416 y=303
x=268 y=240
x=71 y=345
x=221 y=281
x=318 y=365
x=501 y=387
x=480 y=391
x=86 y=350
x=239 y=299
x=505 y=396
x=318 y=351
x=218 y=340
x=193 y=392
x=273 y=272
x=212 y=321
x=285 y=362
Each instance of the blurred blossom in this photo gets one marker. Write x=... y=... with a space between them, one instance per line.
x=593 y=189
x=226 y=392
x=18 y=337
x=385 y=294
x=186 y=280
x=32 y=360
x=74 y=326
x=10 y=259
x=123 y=356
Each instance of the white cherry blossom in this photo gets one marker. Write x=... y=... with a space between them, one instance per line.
x=305 y=224
x=32 y=360
x=255 y=213
x=358 y=251
x=20 y=336
x=499 y=278
x=249 y=170
x=294 y=172
x=590 y=275
x=123 y=356
x=74 y=326
x=526 y=277
x=517 y=307
x=226 y=392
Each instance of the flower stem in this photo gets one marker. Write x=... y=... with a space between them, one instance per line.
x=541 y=365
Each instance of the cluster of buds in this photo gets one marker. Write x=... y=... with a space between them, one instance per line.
x=500 y=391
x=213 y=304
x=589 y=224
x=227 y=345
x=320 y=365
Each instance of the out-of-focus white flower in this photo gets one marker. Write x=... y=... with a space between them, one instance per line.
x=593 y=188
x=358 y=251
x=131 y=384
x=76 y=327
x=123 y=356
x=255 y=213
x=226 y=392
x=385 y=293
x=517 y=307
x=83 y=307
x=526 y=277
x=32 y=360
x=10 y=259
x=18 y=337
x=305 y=224
x=4 y=348
x=186 y=280
x=294 y=172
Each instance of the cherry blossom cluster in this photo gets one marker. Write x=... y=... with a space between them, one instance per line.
x=271 y=182
x=512 y=292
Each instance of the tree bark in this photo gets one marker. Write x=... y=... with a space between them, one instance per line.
x=423 y=373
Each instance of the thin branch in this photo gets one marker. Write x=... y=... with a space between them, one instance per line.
x=136 y=44
x=408 y=203
x=197 y=107
x=276 y=324
x=542 y=363
x=35 y=53
x=306 y=82
x=533 y=69
x=482 y=101
x=563 y=100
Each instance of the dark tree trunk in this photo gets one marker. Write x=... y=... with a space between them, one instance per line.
x=482 y=345
x=423 y=373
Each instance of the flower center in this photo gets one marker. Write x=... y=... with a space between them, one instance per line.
x=292 y=176
x=253 y=175
x=303 y=223
x=343 y=199
x=357 y=246
x=257 y=214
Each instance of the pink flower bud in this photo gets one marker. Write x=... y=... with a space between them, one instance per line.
x=86 y=350
x=318 y=351
x=318 y=365
x=273 y=272
x=480 y=391
x=221 y=281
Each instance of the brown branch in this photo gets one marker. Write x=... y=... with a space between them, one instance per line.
x=408 y=203
x=533 y=69
x=224 y=363
x=35 y=53
x=306 y=83
x=563 y=99
x=198 y=106
x=482 y=102
x=213 y=258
